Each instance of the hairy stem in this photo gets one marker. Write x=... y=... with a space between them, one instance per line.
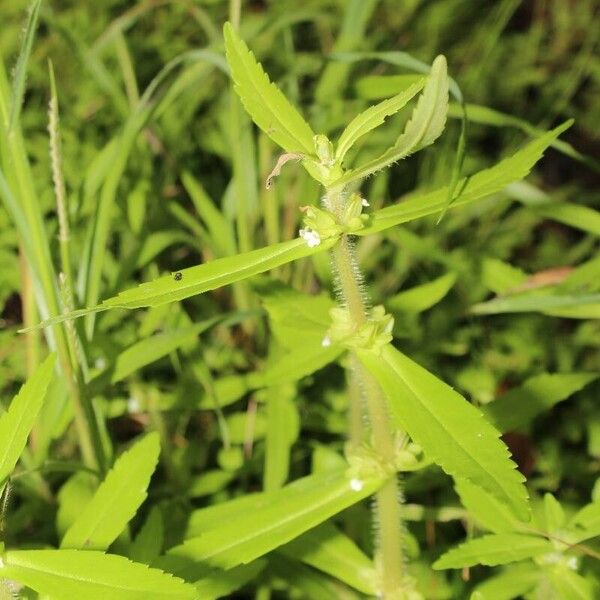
x=349 y=282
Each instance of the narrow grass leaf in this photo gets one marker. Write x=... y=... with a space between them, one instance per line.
x=220 y=230
x=373 y=117
x=77 y=574
x=117 y=499
x=495 y=549
x=425 y=126
x=278 y=518
x=575 y=215
x=263 y=100
x=522 y=404
x=480 y=185
x=451 y=431
x=422 y=297
x=17 y=421
x=156 y=347
x=580 y=306
x=20 y=76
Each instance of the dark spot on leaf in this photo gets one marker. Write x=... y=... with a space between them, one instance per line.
x=178 y=276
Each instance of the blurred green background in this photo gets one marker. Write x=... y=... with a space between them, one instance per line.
x=159 y=155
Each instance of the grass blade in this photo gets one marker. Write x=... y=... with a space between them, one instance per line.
x=20 y=76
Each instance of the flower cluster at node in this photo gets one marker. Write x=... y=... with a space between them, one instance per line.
x=372 y=335
x=322 y=224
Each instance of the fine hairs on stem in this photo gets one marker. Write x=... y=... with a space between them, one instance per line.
x=352 y=295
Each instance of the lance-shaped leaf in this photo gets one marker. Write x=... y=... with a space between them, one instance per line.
x=582 y=306
x=425 y=126
x=117 y=498
x=20 y=74
x=585 y=524
x=451 y=431
x=513 y=582
x=496 y=549
x=263 y=100
x=77 y=574
x=326 y=548
x=202 y=278
x=17 y=421
x=486 y=510
x=519 y=406
x=276 y=518
x=482 y=184
x=373 y=117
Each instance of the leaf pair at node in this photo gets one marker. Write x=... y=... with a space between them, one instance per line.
x=276 y=116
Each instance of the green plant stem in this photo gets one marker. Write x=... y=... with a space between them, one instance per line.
x=355 y=421
x=349 y=282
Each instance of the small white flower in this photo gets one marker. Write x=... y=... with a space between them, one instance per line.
x=311 y=237
x=133 y=405
x=364 y=202
x=326 y=342
x=356 y=485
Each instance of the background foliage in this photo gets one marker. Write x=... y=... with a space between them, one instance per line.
x=162 y=171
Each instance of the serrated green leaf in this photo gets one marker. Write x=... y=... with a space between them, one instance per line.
x=519 y=406
x=220 y=584
x=495 y=549
x=554 y=515
x=263 y=100
x=422 y=297
x=148 y=543
x=571 y=585
x=379 y=87
x=487 y=511
x=451 y=431
x=373 y=117
x=513 y=582
x=425 y=126
x=277 y=518
x=202 y=278
x=204 y=519
x=117 y=498
x=17 y=421
x=212 y=275
x=327 y=549
x=585 y=524
x=77 y=574
x=480 y=185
